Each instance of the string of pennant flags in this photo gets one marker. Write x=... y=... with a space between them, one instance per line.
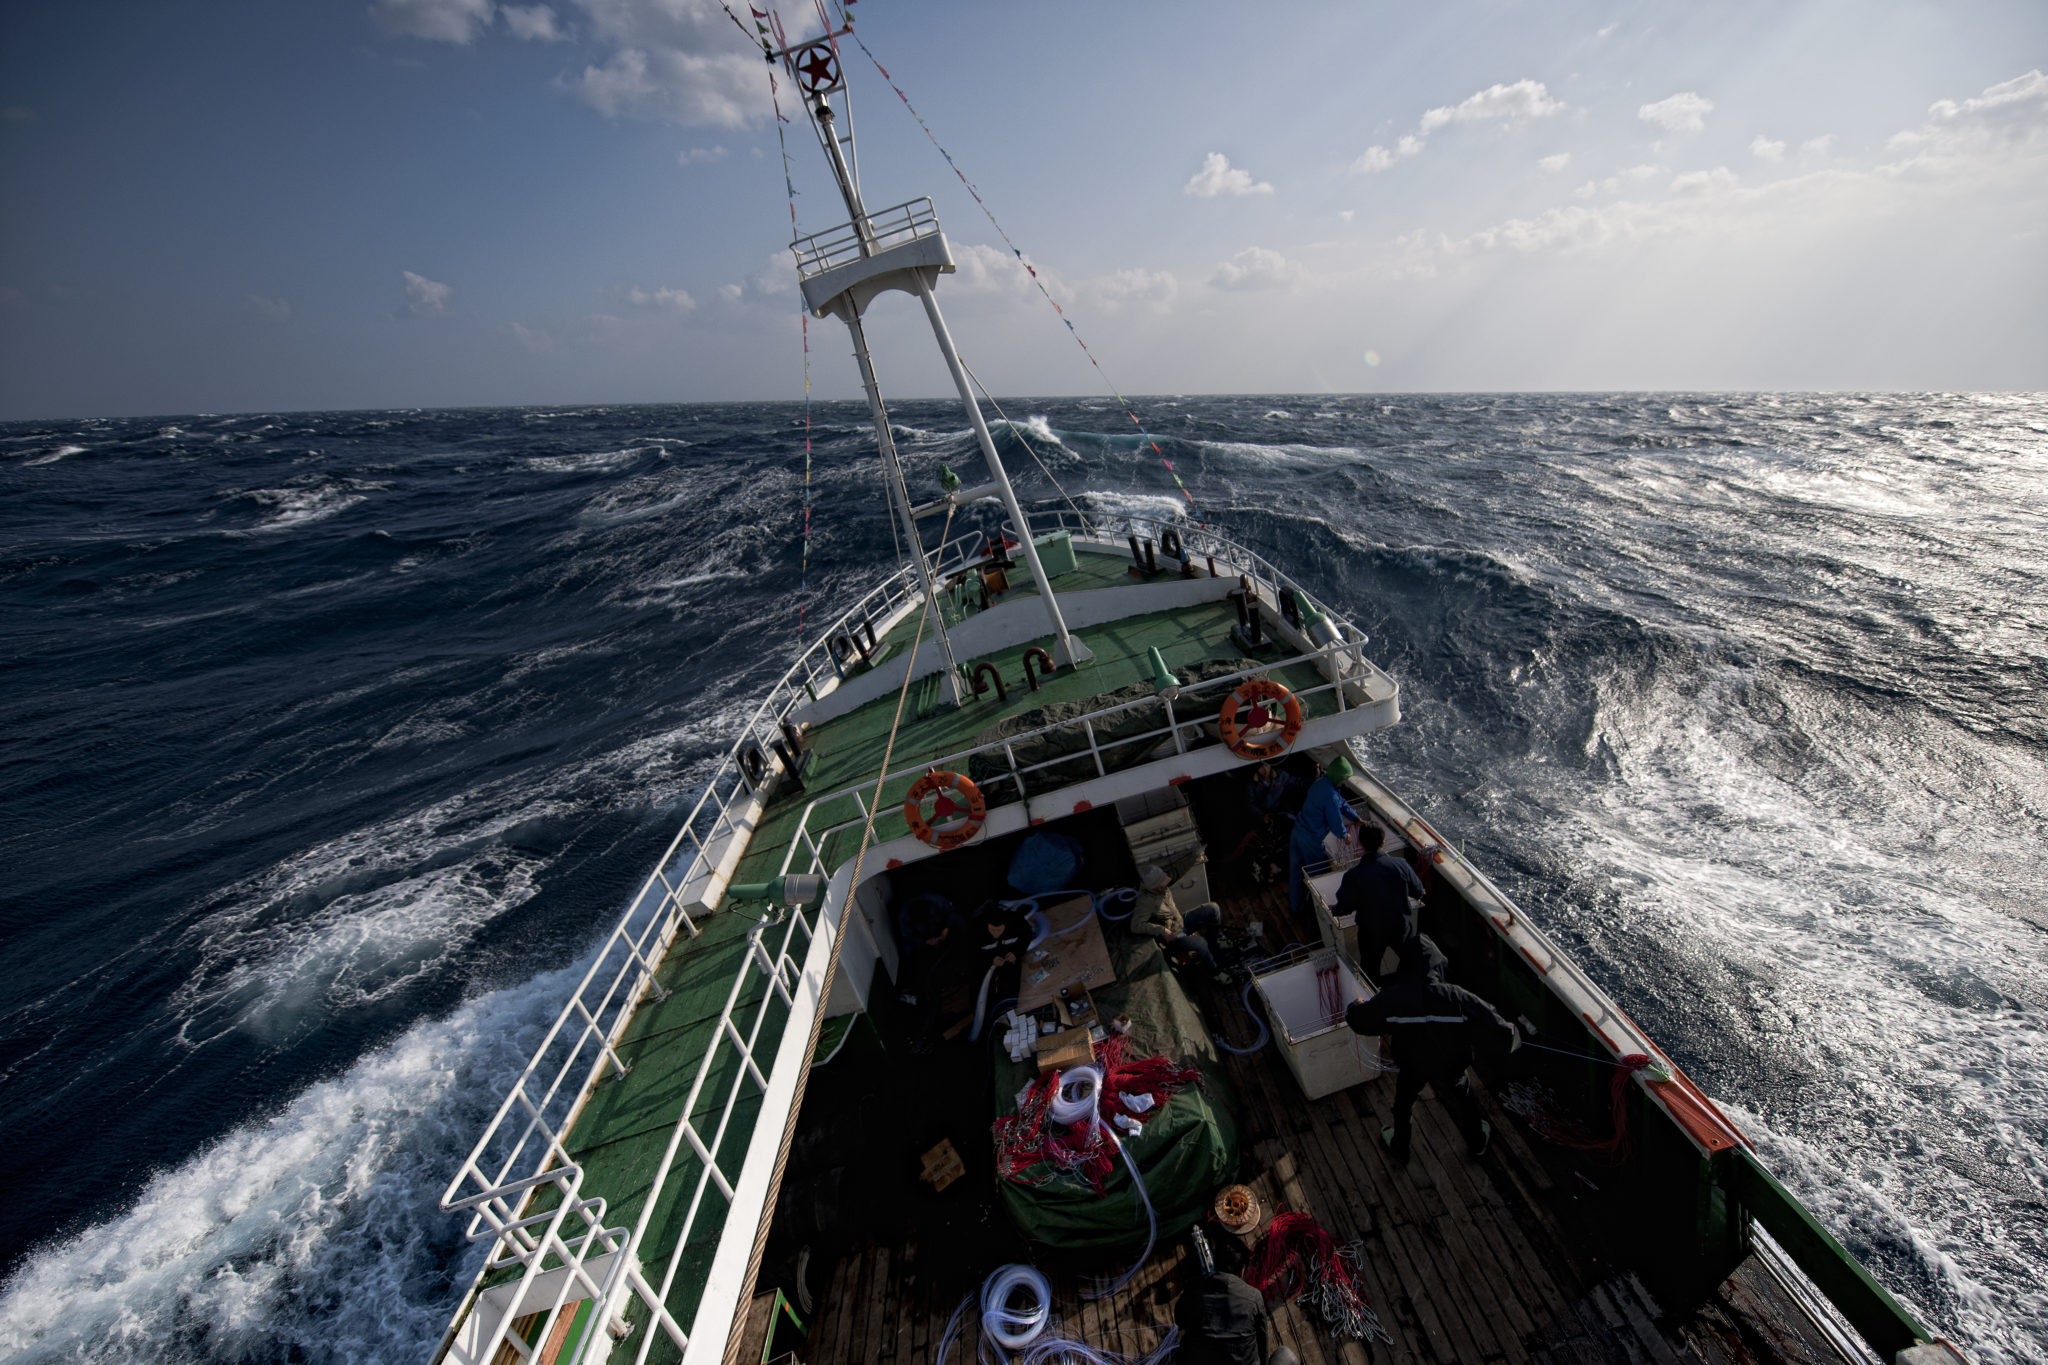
x=1029 y=269
x=767 y=32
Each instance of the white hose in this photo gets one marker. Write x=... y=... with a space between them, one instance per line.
x=1005 y=1326
x=981 y=1006
x=1077 y=1099
x=1257 y=1018
x=1123 y=895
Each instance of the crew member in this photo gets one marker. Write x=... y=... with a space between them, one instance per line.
x=1385 y=895
x=1156 y=916
x=1322 y=813
x=1435 y=1028
x=1223 y=1322
x=1005 y=936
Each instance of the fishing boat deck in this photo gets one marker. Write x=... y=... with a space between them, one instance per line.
x=847 y=750
x=1466 y=1260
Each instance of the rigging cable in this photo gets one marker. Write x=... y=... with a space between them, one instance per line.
x=1123 y=402
x=1018 y=432
x=847 y=909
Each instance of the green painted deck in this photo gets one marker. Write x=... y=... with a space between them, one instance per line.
x=847 y=750
x=624 y=1129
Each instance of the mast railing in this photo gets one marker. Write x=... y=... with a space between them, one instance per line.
x=843 y=245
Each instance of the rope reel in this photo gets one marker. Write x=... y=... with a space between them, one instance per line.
x=1271 y=719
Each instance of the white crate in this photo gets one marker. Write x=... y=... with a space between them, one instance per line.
x=1324 y=1054
x=1340 y=932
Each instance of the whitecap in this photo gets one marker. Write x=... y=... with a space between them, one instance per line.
x=310 y=1233
x=59 y=453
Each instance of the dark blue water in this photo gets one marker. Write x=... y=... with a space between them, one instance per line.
x=331 y=742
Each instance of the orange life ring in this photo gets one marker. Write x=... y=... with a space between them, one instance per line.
x=957 y=814
x=1261 y=697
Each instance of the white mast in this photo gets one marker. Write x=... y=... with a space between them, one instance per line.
x=843 y=269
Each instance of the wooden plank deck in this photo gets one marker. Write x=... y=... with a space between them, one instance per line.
x=1467 y=1261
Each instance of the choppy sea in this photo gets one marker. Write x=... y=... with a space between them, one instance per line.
x=330 y=743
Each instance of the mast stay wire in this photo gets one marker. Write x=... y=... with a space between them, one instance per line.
x=1018 y=432
x=848 y=908
x=1144 y=434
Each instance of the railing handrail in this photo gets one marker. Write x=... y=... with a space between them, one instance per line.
x=648 y=927
x=836 y=246
x=1173 y=726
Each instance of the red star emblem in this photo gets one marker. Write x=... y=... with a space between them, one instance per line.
x=818 y=70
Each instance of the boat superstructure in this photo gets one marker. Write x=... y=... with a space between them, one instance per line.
x=1069 y=662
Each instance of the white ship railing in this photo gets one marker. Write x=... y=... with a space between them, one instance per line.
x=523 y=1148
x=1096 y=748
x=842 y=245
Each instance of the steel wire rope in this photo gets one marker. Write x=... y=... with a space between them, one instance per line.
x=1086 y=524
x=733 y=1340
x=1144 y=433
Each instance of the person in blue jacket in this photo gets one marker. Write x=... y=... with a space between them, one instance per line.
x=1323 y=813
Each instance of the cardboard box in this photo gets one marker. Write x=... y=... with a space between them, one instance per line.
x=1065 y=1050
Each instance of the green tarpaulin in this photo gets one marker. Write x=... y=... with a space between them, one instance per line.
x=1189 y=1147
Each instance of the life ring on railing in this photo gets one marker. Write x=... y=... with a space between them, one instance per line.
x=1169 y=544
x=957 y=809
x=1268 y=707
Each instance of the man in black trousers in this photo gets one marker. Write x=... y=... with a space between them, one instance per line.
x=1436 y=1028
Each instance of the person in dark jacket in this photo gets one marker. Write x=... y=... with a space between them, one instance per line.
x=1435 y=1027
x=1223 y=1322
x=1386 y=896
x=1005 y=934
x=1419 y=959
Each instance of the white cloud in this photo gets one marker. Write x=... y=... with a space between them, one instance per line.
x=1554 y=164
x=1512 y=105
x=1254 y=268
x=1700 y=182
x=277 y=310
x=534 y=23
x=723 y=90
x=1150 y=290
x=427 y=298
x=1681 y=113
x=1517 y=103
x=983 y=269
x=698 y=156
x=1994 y=144
x=1764 y=149
x=730 y=292
x=678 y=299
x=2005 y=119
x=675 y=60
x=1218 y=176
x=440 y=21
x=1345 y=215
x=533 y=338
x=1817 y=146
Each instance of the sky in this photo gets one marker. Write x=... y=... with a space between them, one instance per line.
x=245 y=206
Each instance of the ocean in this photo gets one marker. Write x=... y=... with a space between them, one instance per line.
x=334 y=741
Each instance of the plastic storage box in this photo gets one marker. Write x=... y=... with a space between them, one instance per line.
x=1056 y=553
x=1323 y=1053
